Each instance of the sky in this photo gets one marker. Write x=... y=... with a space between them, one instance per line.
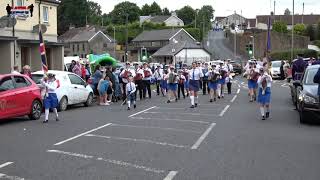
x=249 y=8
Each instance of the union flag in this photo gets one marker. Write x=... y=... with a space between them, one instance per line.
x=43 y=53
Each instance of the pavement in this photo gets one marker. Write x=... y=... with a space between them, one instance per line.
x=225 y=140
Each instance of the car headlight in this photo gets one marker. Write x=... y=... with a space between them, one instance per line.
x=307 y=99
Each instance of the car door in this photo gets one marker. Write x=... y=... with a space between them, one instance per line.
x=80 y=91
x=23 y=93
x=8 y=100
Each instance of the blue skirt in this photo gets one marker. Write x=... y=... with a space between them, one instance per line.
x=222 y=81
x=51 y=101
x=163 y=84
x=172 y=86
x=252 y=84
x=264 y=98
x=186 y=84
x=194 y=85
x=213 y=85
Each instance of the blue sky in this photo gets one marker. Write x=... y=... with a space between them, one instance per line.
x=249 y=8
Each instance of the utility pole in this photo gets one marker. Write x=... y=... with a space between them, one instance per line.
x=292 y=43
x=114 y=40
x=126 y=48
x=302 y=12
x=13 y=35
x=195 y=17
x=274 y=7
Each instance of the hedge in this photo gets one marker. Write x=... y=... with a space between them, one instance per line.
x=286 y=55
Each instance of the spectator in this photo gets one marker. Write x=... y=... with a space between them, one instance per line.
x=73 y=63
x=77 y=69
x=15 y=70
x=116 y=85
x=282 y=74
x=88 y=71
x=26 y=70
x=97 y=76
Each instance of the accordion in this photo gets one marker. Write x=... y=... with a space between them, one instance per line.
x=172 y=78
x=138 y=77
x=213 y=77
x=224 y=74
x=254 y=75
x=264 y=83
x=185 y=74
x=126 y=74
x=146 y=73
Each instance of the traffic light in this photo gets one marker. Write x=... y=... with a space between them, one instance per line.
x=249 y=49
x=144 y=54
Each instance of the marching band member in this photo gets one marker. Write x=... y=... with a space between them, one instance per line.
x=205 y=79
x=125 y=76
x=222 y=81
x=172 y=81
x=194 y=74
x=146 y=80
x=163 y=83
x=50 y=100
x=213 y=78
x=252 y=76
x=138 y=80
x=131 y=93
x=182 y=80
x=158 y=76
x=185 y=73
x=264 y=96
x=229 y=77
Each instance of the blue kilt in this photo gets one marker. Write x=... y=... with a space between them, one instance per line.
x=213 y=85
x=186 y=84
x=163 y=84
x=222 y=81
x=264 y=99
x=172 y=86
x=51 y=101
x=194 y=85
x=252 y=84
x=131 y=97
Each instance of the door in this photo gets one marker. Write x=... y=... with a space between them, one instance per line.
x=7 y=98
x=23 y=93
x=25 y=56
x=79 y=87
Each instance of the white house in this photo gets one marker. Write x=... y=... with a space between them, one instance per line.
x=172 y=20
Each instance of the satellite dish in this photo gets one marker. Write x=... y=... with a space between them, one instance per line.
x=43 y=28
x=6 y=21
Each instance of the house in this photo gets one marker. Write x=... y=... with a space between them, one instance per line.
x=87 y=40
x=262 y=21
x=185 y=52
x=226 y=22
x=20 y=45
x=172 y=20
x=152 y=41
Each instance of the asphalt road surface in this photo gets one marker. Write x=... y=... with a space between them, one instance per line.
x=225 y=140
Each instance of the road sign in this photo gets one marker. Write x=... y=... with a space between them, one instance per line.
x=6 y=21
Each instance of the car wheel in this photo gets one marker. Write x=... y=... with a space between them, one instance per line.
x=36 y=110
x=63 y=104
x=302 y=114
x=89 y=100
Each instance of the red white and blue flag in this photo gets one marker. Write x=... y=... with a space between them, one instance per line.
x=43 y=53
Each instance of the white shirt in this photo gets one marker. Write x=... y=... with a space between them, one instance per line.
x=15 y=72
x=269 y=80
x=158 y=74
x=130 y=88
x=140 y=71
x=229 y=67
x=195 y=74
x=133 y=73
x=147 y=78
x=51 y=86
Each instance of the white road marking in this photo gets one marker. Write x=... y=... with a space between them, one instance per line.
x=239 y=85
x=234 y=98
x=4 y=176
x=185 y=108
x=165 y=119
x=117 y=162
x=285 y=85
x=224 y=110
x=242 y=83
x=151 y=127
x=203 y=136
x=142 y=111
x=238 y=91
x=138 y=140
x=82 y=134
x=171 y=175
x=5 y=164
x=174 y=113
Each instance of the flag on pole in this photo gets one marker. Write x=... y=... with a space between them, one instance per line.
x=43 y=53
x=269 y=36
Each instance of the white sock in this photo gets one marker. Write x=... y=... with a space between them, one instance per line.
x=192 y=100
x=197 y=99
x=219 y=91
x=128 y=104
x=56 y=112
x=46 y=112
x=134 y=102
x=262 y=111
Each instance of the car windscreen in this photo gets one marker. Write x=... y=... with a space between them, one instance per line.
x=276 y=64
x=37 y=78
x=308 y=80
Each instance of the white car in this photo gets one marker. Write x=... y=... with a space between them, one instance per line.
x=73 y=89
x=275 y=69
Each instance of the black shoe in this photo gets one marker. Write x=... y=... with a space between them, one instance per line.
x=196 y=105
x=267 y=115
x=215 y=99
x=263 y=118
x=128 y=109
x=168 y=101
x=192 y=106
x=176 y=99
x=219 y=97
x=46 y=121
x=134 y=106
x=57 y=119
x=211 y=100
x=184 y=97
x=222 y=97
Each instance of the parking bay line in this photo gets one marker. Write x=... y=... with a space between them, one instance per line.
x=4 y=176
x=202 y=137
x=224 y=110
x=138 y=140
x=192 y=114
x=152 y=127
x=5 y=164
x=82 y=134
x=142 y=111
x=166 y=119
x=111 y=161
x=171 y=175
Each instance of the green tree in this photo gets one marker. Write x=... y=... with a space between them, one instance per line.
x=165 y=12
x=279 y=26
x=155 y=9
x=205 y=16
x=299 y=29
x=94 y=13
x=118 y=14
x=318 y=31
x=106 y=19
x=287 y=12
x=310 y=31
x=186 y=14
x=145 y=10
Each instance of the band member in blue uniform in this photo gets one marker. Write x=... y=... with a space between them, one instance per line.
x=222 y=81
x=50 y=100
x=205 y=70
x=172 y=81
x=213 y=79
x=130 y=92
x=264 y=96
x=194 y=84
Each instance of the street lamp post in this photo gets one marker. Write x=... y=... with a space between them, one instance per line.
x=195 y=17
x=252 y=46
x=292 y=43
x=114 y=41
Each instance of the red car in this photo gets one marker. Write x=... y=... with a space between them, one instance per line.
x=19 y=96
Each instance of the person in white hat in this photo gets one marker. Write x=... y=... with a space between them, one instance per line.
x=172 y=83
x=125 y=77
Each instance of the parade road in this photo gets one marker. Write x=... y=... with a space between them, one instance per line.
x=224 y=140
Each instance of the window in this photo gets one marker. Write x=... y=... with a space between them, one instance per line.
x=78 y=48
x=6 y=84
x=76 y=80
x=73 y=47
x=83 y=48
x=45 y=14
x=21 y=82
x=20 y=2
x=37 y=78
